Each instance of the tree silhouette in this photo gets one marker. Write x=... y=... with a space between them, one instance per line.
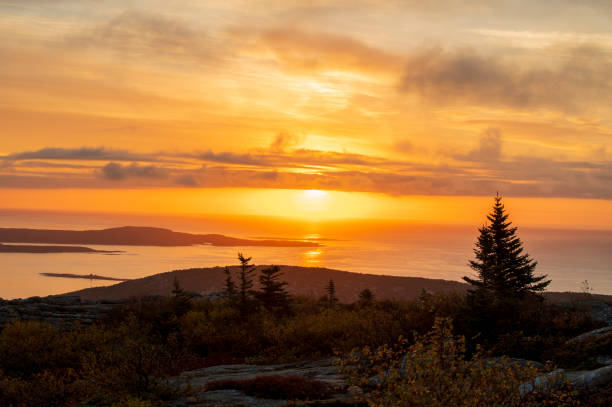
x=366 y=297
x=245 y=284
x=501 y=267
x=181 y=301
x=272 y=294
x=230 y=287
x=331 y=293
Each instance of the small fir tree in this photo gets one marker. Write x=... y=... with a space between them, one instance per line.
x=245 y=284
x=501 y=266
x=331 y=293
x=366 y=297
x=177 y=290
x=272 y=294
x=181 y=302
x=230 y=287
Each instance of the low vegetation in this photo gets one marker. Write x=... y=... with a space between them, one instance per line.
x=131 y=354
x=434 y=370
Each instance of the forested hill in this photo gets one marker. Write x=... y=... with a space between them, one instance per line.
x=135 y=236
x=301 y=281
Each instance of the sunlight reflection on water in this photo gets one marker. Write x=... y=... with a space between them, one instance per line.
x=312 y=258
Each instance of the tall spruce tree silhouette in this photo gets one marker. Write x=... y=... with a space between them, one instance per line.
x=245 y=285
x=502 y=268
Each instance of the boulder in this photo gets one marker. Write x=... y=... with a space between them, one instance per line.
x=594 y=334
x=604 y=359
x=544 y=383
x=595 y=378
x=600 y=311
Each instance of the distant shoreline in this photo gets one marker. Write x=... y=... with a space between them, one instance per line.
x=20 y=248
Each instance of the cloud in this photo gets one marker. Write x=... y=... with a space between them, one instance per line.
x=308 y=51
x=187 y=180
x=229 y=158
x=464 y=76
x=83 y=153
x=116 y=172
x=284 y=140
x=139 y=34
x=481 y=171
x=113 y=171
x=403 y=145
x=489 y=147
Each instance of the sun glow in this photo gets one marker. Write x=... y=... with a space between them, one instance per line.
x=315 y=193
x=313 y=205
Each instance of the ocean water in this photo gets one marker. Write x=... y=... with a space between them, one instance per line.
x=568 y=257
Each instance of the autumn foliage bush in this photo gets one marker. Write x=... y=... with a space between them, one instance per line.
x=435 y=371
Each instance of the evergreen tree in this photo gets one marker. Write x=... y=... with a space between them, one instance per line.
x=500 y=265
x=245 y=284
x=366 y=297
x=331 y=293
x=181 y=302
x=272 y=294
x=230 y=287
x=177 y=290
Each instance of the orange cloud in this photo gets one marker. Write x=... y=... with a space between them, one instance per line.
x=306 y=51
x=478 y=172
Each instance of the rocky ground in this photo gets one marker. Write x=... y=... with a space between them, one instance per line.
x=600 y=311
x=61 y=310
x=325 y=371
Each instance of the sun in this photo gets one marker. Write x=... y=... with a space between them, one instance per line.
x=314 y=193
x=314 y=204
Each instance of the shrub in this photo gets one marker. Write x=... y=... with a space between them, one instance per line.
x=29 y=347
x=125 y=361
x=434 y=371
x=582 y=354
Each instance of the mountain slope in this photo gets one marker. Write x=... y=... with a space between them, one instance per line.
x=301 y=281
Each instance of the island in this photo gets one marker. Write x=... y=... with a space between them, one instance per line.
x=19 y=248
x=86 y=276
x=136 y=236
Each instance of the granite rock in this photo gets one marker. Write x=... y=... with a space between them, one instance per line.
x=65 y=311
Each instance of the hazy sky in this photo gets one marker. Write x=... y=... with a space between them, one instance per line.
x=104 y=105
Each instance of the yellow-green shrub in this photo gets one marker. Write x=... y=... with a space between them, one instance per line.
x=434 y=371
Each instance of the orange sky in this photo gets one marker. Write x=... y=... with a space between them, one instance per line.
x=399 y=109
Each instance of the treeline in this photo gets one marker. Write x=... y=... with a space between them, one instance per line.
x=272 y=294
